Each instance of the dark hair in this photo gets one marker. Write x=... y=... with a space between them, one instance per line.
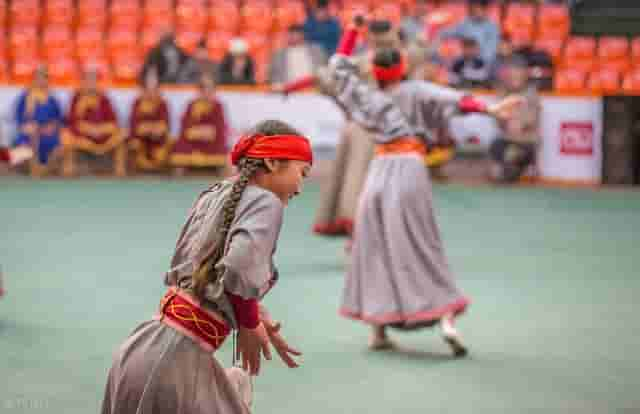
x=207 y=272
x=379 y=26
x=469 y=42
x=387 y=57
x=296 y=28
x=322 y=4
x=484 y=3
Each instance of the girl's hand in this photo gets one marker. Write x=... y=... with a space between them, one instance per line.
x=252 y=344
x=506 y=108
x=283 y=349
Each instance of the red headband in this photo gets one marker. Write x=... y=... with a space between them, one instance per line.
x=285 y=147
x=390 y=74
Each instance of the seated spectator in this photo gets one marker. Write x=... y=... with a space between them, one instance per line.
x=196 y=65
x=92 y=127
x=237 y=67
x=167 y=59
x=540 y=66
x=515 y=150
x=297 y=60
x=203 y=131
x=412 y=24
x=39 y=118
x=321 y=27
x=435 y=71
x=149 y=127
x=478 y=26
x=504 y=56
x=469 y=70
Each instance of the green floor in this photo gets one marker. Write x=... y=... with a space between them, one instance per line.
x=554 y=275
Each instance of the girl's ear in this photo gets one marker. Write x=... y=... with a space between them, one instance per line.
x=271 y=164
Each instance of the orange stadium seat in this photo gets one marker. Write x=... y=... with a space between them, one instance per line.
x=224 y=16
x=92 y=13
x=258 y=43
x=57 y=42
x=158 y=14
x=23 y=68
x=521 y=37
x=24 y=40
x=519 y=18
x=125 y=13
x=150 y=38
x=288 y=13
x=25 y=13
x=605 y=81
x=553 y=21
x=279 y=40
x=218 y=44
x=188 y=39
x=631 y=83
x=3 y=46
x=613 y=52
x=257 y=16
x=59 y=12
x=350 y=11
x=580 y=52
x=63 y=70
x=635 y=51
x=553 y=46
x=457 y=11
x=570 y=80
x=495 y=12
x=450 y=49
x=98 y=63
x=126 y=67
x=89 y=43
x=191 y=14
x=122 y=39
x=388 y=11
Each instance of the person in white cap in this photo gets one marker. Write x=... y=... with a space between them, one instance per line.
x=237 y=67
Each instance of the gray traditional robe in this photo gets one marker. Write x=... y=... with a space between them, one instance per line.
x=159 y=370
x=399 y=274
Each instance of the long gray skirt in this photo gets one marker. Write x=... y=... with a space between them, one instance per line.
x=399 y=275
x=159 y=370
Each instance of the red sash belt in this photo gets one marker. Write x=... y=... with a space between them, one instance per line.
x=402 y=146
x=185 y=315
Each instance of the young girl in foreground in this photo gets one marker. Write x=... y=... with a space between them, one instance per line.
x=221 y=268
x=399 y=275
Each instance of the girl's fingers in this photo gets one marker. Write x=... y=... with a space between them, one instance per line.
x=266 y=350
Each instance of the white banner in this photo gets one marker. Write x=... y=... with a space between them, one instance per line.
x=572 y=139
x=571 y=127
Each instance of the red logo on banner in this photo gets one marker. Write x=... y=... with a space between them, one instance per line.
x=576 y=138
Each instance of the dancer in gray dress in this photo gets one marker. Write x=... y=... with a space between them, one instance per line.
x=399 y=275
x=221 y=268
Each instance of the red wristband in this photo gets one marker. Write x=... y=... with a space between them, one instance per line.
x=299 y=84
x=469 y=104
x=246 y=311
x=4 y=155
x=348 y=42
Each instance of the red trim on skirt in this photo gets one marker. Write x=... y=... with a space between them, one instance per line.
x=416 y=318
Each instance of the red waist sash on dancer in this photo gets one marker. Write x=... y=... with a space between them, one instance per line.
x=404 y=145
x=186 y=316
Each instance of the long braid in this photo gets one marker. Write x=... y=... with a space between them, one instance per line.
x=206 y=273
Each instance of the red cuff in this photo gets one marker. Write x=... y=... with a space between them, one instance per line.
x=469 y=104
x=4 y=155
x=246 y=311
x=299 y=84
x=348 y=42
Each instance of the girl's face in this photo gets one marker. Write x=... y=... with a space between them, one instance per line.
x=285 y=178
